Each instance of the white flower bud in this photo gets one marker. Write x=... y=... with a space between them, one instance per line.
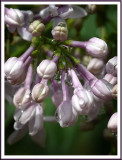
x=97 y=48
x=14 y=17
x=82 y=101
x=22 y=98
x=15 y=70
x=60 y=32
x=112 y=123
x=40 y=92
x=95 y=66
x=36 y=28
x=46 y=69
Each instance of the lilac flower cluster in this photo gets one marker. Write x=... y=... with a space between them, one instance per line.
x=90 y=87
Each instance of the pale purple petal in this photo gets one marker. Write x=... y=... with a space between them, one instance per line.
x=27 y=114
x=40 y=138
x=57 y=20
x=78 y=12
x=24 y=33
x=36 y=123
x=17 y=135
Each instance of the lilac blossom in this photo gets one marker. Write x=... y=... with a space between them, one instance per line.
x=47 y=68
x=22 y=97
x=95 y=47
x=16 y=19
x=64 y=113
x=82 y=99
x=60 y=32
x=100 y=88
x=40 y=91
x=36 y=28
x=76 y=91
x=16 y=68
x=64 y=12
x=95 y=66
x=33 y=116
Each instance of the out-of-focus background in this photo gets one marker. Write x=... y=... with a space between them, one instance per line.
x=83 y=138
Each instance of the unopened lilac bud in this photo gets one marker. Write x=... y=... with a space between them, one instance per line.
x=82 y=101
x=15 y=70
x=97 y=48
x=101 y=89
x=46 y=69
x=40 y=92
x=60 y=32
x=111 y=79
x=114 y=92
x=112 y=123
x=95 y=66
x=36 y=28
x=14 y=17
x=22 y=98
x=111 y=66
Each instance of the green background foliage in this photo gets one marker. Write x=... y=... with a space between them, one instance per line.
x=71 y=140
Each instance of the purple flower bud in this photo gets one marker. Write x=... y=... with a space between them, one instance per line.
x=112 y=123
x=36 y=28
x=82 y=101
x=60 y=32
x=111 y=66
x=22 y=98
x=101 y=89
x=95 y=47
x=40 y=92
x=15 y=70
x=46 y=69
x=111 y=79
x=65 y=115
x=95 y=66
x=14 y=17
